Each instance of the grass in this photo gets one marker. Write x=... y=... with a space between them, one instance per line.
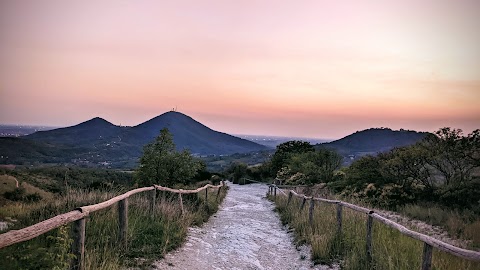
x=8 y=184
x=390 y=249
x=459 y=224
x=149 y=237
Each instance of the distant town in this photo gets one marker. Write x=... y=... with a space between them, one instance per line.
x=19 y=130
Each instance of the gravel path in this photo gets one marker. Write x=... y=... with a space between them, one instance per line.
x=244 y=234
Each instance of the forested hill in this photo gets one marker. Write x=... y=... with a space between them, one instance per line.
x=88 y=133
x=192 y=135
x=373 y=141
x=98 y=140
x=187 y=134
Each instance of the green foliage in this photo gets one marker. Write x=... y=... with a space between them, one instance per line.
x=58 y=255
x=407 y=165
x=316 y=167
x=459 y=223
x=390 y=249
x=462 y=195
x=438 y=169
x=297 y=162
x=54 y=254
x=240 y=170
x=149 y=237
x=161 y=164
x=19 y=194
x=455 y=156
x=55 y=178
x=285 y=150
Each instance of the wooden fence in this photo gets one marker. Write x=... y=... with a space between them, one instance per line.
x=428 y=241
x=78 y=217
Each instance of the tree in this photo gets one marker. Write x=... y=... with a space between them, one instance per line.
x=162 y=165
x=364 y=171
x=455 y=156
x=317 y=166
x=285 y=151
x=407 y=165
x=236 y=171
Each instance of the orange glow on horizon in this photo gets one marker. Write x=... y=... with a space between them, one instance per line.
x=309 y=68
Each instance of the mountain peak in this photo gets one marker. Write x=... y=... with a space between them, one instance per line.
x=96 y=121
x=193 y=135
x=187 y=134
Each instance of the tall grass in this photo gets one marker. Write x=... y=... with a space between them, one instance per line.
x=149 y=237
x=390 y=249
x=463 y=224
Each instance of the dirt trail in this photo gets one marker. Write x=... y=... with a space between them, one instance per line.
x=244 y=234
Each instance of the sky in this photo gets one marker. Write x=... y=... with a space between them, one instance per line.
x=319 y=69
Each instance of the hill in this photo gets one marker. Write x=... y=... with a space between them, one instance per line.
x=373 y=141
x=192 y=135
x=20 y=150
x=88 y=133
x=98 y=141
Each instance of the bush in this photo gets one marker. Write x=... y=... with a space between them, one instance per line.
x=462 y=195
x=18 y=194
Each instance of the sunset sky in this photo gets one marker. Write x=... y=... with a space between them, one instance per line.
x=319 y=68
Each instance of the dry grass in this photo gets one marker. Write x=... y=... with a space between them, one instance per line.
x=459 y=224
x=391 y=250
x=149 y=237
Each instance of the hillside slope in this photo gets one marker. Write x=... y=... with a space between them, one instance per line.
x=192 y=135
x=98 y=141
x=88 y=134
x=373 y=141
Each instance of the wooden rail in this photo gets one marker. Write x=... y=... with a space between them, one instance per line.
x=429 y=242
x=78 y=216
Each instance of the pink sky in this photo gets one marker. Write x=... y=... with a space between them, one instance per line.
x=290 y=68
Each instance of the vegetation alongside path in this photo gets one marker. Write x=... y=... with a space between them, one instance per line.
x=391 y=250
x=149 y=238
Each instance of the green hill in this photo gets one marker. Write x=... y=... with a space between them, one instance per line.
x=373 y=141
x=99 y=142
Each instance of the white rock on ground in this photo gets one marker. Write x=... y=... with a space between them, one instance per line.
x=244 y=234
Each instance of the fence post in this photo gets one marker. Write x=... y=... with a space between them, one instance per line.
x=339 y=219
x=218 y=193
x=289 y=197
x=310 y=211
x=244 y=181
x=206 y=196
x=78 y=248
x=303 y=203
x=181 y=202
x=427 y=257
x=275 y=193
x=153 y=197
x=123 y=220
x=369 y=237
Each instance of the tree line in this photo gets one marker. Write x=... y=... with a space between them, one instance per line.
x=443 y=168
